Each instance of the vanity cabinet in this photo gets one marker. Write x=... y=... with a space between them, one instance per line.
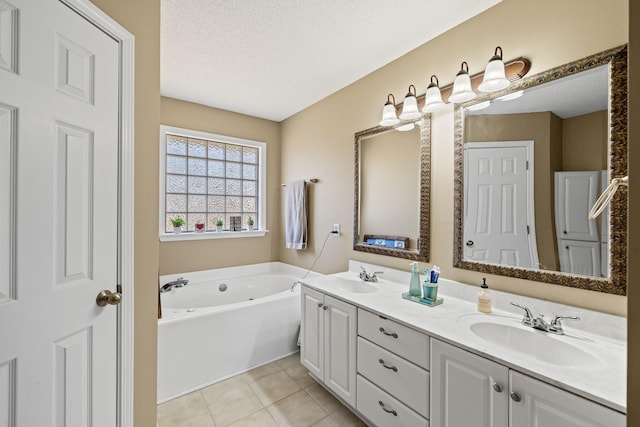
x=467 y=390
x=393 y=376
x=328 y=342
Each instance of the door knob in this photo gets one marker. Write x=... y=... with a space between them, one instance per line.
x=107 y=297
x=469 y=242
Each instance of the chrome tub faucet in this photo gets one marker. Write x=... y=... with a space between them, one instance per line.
x=178 y=283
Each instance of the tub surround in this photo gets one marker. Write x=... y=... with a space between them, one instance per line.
x=603 y=336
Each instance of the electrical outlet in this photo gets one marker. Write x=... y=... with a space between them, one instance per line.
x=336 y=230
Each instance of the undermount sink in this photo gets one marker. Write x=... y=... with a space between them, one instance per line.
x=354 y=285
x=540 y=346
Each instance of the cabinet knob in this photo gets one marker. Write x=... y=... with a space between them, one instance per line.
x=325 y=307
x=389 y=334
x=320 y=304
x=515 y=397
x=389 y=411
x=497 y=387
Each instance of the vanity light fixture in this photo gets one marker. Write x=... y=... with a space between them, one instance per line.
x=410 y=106
x=462 y=91
x=389 y=117
x=494 y=75
x=433 y=98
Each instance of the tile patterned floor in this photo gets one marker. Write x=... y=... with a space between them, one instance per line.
x=275 y=395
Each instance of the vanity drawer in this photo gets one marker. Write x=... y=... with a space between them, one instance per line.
x=403 y=380
x=384 y=410
x=397 y=338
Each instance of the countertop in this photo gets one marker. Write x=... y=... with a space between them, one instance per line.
x=601 y=379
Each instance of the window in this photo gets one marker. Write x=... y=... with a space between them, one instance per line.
x=206 y=178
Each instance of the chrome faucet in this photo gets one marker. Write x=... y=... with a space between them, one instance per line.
x=555 y=327
x=369 y=277
x=178 y=283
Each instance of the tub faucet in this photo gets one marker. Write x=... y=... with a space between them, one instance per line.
x=178 y=283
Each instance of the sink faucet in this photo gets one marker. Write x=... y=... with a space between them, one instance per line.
x=180 y=282
x=555 y=327
x=369 y=277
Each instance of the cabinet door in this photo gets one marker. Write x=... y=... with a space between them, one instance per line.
x=541 y=405
x=340 y=331
x=312 y=339
x=467 y=390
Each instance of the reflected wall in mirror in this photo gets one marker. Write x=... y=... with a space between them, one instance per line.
x=392 y=180
x=533 y=159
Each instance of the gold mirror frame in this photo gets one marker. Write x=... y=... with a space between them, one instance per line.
x=617 y=158
x=422 y=253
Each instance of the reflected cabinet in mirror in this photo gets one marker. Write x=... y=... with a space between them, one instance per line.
x=532 y=160
x=392 y=174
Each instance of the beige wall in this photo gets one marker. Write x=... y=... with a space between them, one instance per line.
x=184 y=256
x=319 y=140
x=142 y=19
x=584 y=142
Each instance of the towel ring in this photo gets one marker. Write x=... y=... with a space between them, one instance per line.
x=606 y=196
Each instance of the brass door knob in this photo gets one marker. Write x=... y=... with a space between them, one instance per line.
x=107 y=297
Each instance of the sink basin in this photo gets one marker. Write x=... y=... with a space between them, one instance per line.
x=353 y=285
x=540 y=346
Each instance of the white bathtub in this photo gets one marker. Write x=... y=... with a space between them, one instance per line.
x=206 y=335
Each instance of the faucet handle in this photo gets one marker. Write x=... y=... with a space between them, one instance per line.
x=528 y=316
x=556 y=327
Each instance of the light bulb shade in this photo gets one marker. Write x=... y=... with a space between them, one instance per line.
x=494 y=76
x=433 y=98
x=389 y=117
x=462 y=91
x=407 y=127
x=410 y=109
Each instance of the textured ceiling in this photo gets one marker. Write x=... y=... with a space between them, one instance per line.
x=273 y=58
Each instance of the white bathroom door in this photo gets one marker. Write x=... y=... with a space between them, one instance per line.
x=499 y=225
x=59 y=132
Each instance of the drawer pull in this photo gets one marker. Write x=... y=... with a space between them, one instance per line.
x=393 y=368
x=389 y=334
x=389 y=411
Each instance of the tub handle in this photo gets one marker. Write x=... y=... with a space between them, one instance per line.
x=390 y=334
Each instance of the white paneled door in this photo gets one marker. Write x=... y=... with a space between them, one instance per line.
x=59 y=133
x=499 y=221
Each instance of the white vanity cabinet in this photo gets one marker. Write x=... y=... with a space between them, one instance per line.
x=328 y=342
x=393 y=376
x=469 y=390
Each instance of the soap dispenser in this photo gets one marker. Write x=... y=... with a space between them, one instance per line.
x=414 y=284
x=484 y=297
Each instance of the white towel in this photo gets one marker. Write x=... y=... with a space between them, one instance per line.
x=296 y=215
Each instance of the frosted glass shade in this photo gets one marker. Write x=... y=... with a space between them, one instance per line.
x=404 y=128
x=433 y=99
x=462 y=91
x=389 y=117
x=410 y=108
x=494 y=77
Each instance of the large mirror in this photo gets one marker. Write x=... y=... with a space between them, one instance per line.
x=532 y=161
x=392 y=180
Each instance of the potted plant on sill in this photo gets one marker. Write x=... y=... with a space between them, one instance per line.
x=219 y=224
x=177 y=223
x=250 y=223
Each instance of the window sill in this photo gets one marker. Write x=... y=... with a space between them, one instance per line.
x=190 y=235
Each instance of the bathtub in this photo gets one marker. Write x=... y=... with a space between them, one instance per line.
x=207 y=335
